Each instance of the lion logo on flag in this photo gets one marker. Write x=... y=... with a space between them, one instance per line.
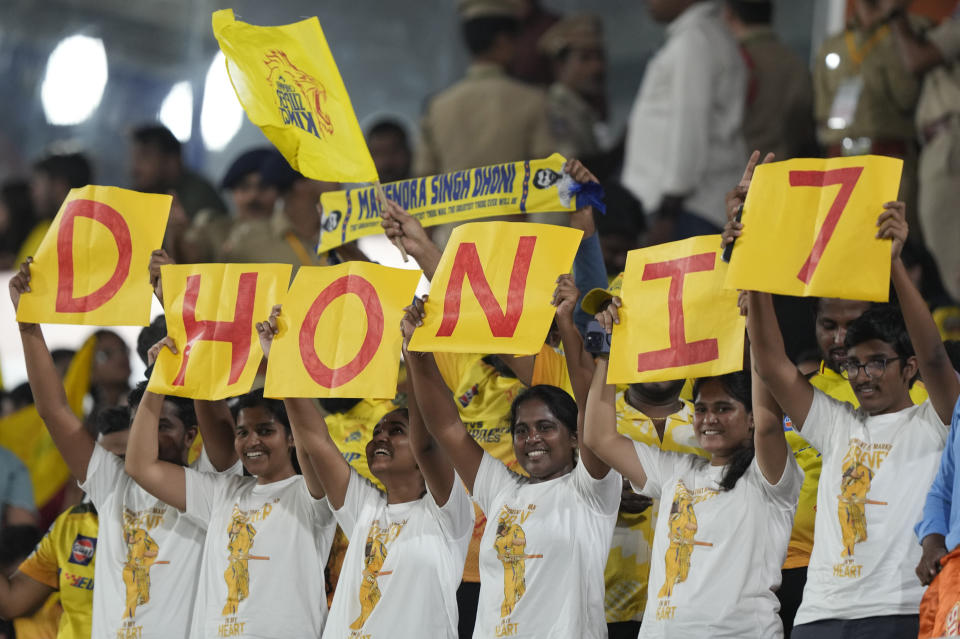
x=301 y=98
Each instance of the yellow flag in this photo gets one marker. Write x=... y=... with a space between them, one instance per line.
x=24 y=434
x=677 y=321
x=212 y=311
x=515 y=188
x=809 y=228
x=340 y=332
x=493 y=288
x=91 y=267
x=289 y=85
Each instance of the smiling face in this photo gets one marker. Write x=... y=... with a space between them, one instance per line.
x=888 y=392
x=263 y=444
x=543 y=445
x=833 y=318
x=722 y=423
x=388 y=451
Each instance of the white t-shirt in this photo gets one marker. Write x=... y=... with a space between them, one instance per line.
x=542 y=552
x=263 y=559
x=148 y=556
x=864 y=549
x=716 y=554
x=403 y=565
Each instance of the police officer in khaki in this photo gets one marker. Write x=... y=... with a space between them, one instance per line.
x=865 y=97
x=936 y=55
x=486 y=117
x=576 y=101
x=779 y=113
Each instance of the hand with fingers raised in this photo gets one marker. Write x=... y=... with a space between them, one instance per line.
x=268 y=329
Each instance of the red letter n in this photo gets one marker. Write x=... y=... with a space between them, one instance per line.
x=467 y=264
x=108 y=216
x=681 y=352
x=237 y=332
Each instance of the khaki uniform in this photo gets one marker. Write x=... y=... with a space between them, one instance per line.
x=938 y=121
x=573 y=122
x=205 y=235
x=485 y=118
x=270 y=241
x=880 y=94
x=779 y=114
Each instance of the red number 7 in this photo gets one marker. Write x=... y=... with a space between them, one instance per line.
x=847 y=179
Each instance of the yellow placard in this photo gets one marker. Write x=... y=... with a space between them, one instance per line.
x=212 y=311
x=289 y=85
x=677 y=321
x=809 y=228
x=493 y=288
x=91 y=267
x=534 y=186
x=340 y=332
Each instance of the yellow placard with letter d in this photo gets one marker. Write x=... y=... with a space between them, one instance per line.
x=288 y=83
x=809 y=228
x=493 y=288
x=339 y=332
x=677 y=321
x=91 y=267
x=212 y=311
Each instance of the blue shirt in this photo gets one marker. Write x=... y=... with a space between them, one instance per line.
x=938 y=518
x=15 y=486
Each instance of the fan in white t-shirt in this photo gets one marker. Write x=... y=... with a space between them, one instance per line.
x=407 y=545
x=548 y=534
x=724 y=523
x=267 y=536
x=878 y=461
x=148 y=554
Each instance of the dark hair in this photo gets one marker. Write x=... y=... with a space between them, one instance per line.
x=388 y=126
x=21 y=395
x=883 y=322
x=737 y=386
x=752 y=12
x=110 y=419
x=16 y=197
x=72 y=168
x=150 y=335
x=335 y=405
x=157 y=137
x=255 y=399
x=185 y=410
x=481 y=32
x=557 y=400
x=953 y=352
x=16 y=542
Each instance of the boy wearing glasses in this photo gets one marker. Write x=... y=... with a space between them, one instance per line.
x=878 y=460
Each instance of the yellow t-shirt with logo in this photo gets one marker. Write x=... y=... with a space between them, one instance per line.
x=64 y=559
x=628 y=565
x=808 y=457
x=483 y=398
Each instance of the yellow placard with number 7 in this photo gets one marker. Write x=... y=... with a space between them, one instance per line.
x=809 y=228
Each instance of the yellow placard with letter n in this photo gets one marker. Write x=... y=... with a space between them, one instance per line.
x=677 y=321
x=809 y=228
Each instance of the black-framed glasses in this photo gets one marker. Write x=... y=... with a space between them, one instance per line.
x=873 y=369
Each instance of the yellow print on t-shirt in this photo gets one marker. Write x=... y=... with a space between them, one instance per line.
x=240 y=534
x=682 y=525
x=510 y=544
x=374 y=556
x=142 y=551
x=859 y=466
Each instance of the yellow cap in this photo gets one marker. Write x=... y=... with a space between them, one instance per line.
x=596 y=298
x=470 y=9
x=583 y=31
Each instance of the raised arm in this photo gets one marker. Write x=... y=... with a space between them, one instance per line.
x=434 y=464
x=935 y=367
x=73 y=441
x=580 y=365
x=164 y=480
x=769 y=440
x=438 y=410
x=789 y=387
x=403 y=227
x=324 y=469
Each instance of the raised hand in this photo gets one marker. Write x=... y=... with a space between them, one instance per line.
x=20 y=283
x=400 y=225
x=610 y=315
x=268 y=329
x=565 y=297
x=893 y=226
x=154 y=351
x=738 y=194
x=412 y=318
x=731 y=231
x=579 y=172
